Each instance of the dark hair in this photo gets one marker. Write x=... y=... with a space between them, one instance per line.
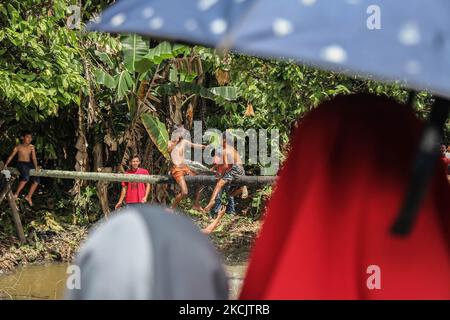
x=26 y=133
x=135 y=157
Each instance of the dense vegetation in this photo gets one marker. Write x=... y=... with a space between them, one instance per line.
x=94 y=99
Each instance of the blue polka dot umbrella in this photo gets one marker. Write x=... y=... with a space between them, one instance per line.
x=407 y=42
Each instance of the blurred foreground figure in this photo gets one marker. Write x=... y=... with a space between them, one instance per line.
x=146 y=253
x=332 y=240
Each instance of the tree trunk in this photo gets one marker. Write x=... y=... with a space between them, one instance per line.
x=102 y=186
x=102 y=193
x=81 y=156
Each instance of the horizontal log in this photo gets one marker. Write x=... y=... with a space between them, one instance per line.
x=152 y=179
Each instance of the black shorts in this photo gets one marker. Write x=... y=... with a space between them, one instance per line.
x=24 y=169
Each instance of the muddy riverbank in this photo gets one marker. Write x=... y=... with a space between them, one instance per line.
x=52 y=240
x=37 y=270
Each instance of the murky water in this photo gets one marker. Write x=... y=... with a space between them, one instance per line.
x=45 y=281
x=235 y=278
x=48 y=281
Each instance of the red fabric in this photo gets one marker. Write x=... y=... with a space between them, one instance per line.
x=445 y=160
x=135 y=190
x=337 y=197
x=219 y=165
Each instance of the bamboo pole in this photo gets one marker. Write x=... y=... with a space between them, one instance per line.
x=6 y=192
x=152 y=179
x=16 y=217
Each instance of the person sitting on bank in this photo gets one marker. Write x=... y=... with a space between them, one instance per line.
x=134 y=192
x=26 y=160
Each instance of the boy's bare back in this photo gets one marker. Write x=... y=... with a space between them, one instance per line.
x=177 y=152
x=231 y=156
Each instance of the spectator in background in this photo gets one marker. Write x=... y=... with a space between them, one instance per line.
x=134 y=192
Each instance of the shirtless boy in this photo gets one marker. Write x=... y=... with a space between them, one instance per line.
x=177 y=148
x=26 y=160
x=233 y=169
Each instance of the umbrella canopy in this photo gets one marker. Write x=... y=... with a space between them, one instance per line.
x=384 y=40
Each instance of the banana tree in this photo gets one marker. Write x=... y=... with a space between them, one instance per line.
x=152 y=79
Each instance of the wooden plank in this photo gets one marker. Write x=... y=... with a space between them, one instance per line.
x=152 y=179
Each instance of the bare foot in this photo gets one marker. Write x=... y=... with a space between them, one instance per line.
x=30 y=202
x=198 y=208
x=208 y=207
x=244 y=192
x=221 y=213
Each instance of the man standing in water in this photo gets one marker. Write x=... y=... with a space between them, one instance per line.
x=26 y=160
x=177 y=148
x=134 y=192
x=233 y=170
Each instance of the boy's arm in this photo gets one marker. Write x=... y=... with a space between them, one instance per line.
x=225 y=157
x=147 y=192
x=33 y=157
x=172 y=144
x=123 y=193
x=195 y=145
x=11 y=156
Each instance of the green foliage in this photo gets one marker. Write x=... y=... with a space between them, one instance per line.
x=46 y=222
x=133 y=48
x=218 y=94
x=85 y=205
x=157 y=132
x=39 y=69
x=104 y=78
x=259 y=199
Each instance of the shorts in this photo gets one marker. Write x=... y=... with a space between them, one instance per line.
x=180 y=171
x=24 y=169
x=235 y=172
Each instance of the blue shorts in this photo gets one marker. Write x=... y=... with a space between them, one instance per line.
x=24 y=169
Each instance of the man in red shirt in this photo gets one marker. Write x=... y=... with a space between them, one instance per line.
x=134 y=192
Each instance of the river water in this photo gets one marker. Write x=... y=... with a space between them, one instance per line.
x=48 y=281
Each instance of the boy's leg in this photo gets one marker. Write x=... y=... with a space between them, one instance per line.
x=24 y=171
x=230 y=204
x=33 y=187
x=21 y=185
x=198 y=194
x=237 y=191
x=220 y=184
x=183 y=190
x=217 y=205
